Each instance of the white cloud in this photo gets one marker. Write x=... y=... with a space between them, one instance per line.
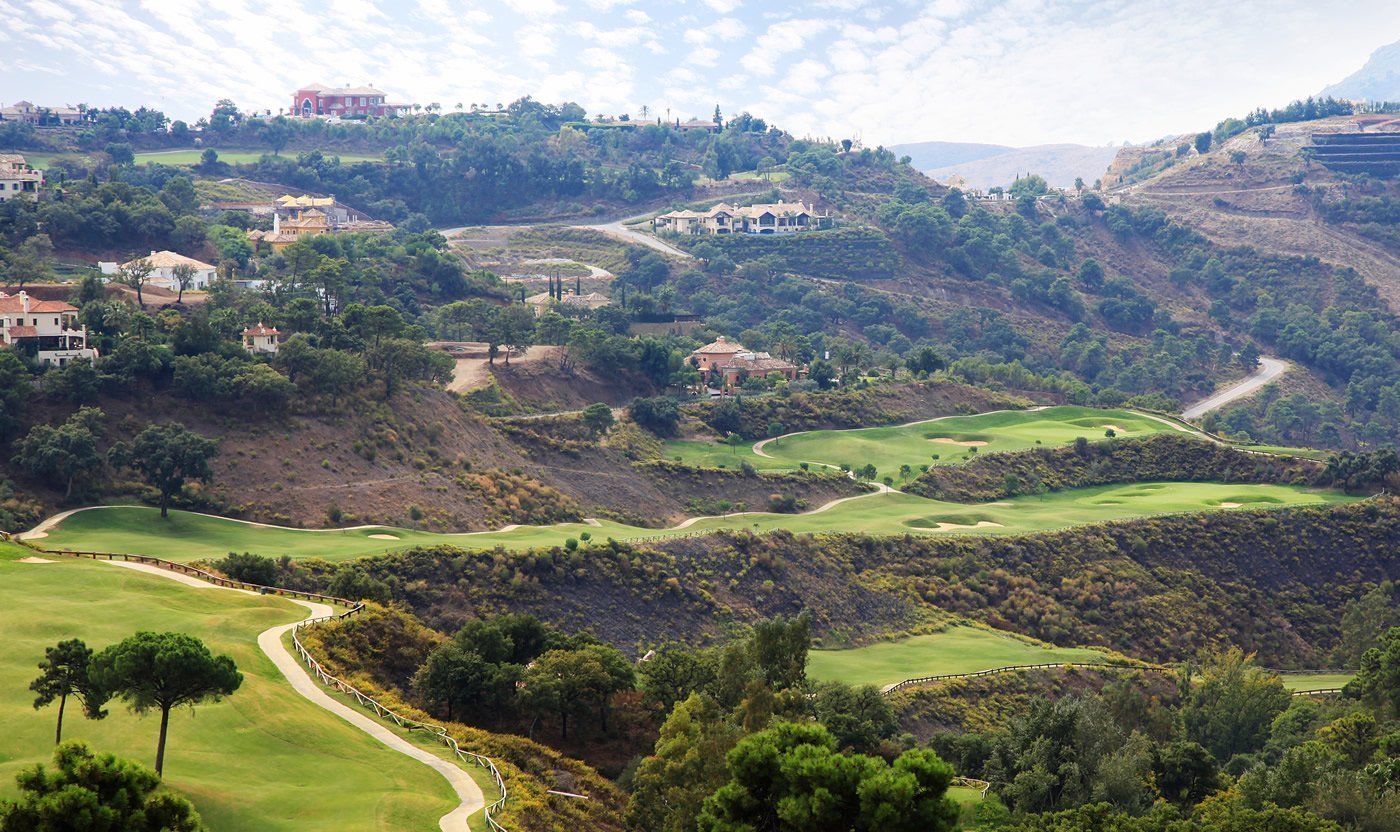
x=1014 y=71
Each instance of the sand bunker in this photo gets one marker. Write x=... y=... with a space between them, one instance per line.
x=1230 y=505
x=981 y=524
x=35 y=560
x=384 y=537
x=943 y=440
x=1114 y=428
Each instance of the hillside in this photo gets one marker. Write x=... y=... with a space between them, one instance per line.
x=1377 y=80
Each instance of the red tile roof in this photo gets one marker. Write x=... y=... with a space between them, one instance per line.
x=14 y=303
x=23 y=332
x=260 y=331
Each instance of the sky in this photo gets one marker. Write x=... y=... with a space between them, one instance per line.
x=1017 y=72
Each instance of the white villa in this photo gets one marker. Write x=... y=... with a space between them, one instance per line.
x=18 y=179
x=44 y=329
x=163 y=275
x=772 y=218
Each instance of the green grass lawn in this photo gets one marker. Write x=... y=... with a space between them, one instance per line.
x=945 y=441
x=263 y=759
x=1315 y=681
x=187 y=537
x=955 y=650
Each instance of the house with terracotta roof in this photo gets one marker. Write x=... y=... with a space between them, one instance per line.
x=163 y=275
x=767 y=218
x=302 y=222
x=261 y=339
x=46 y=330
x=727 y=364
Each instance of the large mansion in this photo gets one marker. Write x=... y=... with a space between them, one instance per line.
x=44 y=329
x=772 y=218
x=320 y=100
x=30 y=113
x=18 y=179
x=726 y=364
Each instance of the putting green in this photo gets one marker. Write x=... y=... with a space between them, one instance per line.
x=186 y=537
x=262 y=759
x=955 y=650
x=950 y=440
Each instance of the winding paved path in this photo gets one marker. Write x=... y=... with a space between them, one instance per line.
x=470 y=799
x=1269 y=369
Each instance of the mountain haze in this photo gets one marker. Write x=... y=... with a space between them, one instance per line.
x=989 y=165
x=1378 y=80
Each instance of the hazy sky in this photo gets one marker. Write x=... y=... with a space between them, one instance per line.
x=887 y=71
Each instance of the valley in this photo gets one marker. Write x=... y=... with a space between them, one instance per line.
x=508 y=468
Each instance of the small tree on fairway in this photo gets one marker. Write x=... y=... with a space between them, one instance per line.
x=89 y=792
x=164 y=671
x=64 y=674
x=136 y=274
x=166 y=456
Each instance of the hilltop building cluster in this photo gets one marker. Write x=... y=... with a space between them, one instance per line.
x=27 y=112
x=321 y=100
x=766 y=218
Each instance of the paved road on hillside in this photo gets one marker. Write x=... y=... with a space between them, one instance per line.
x=1269 y=369
x=622 y=232
x=469 y=796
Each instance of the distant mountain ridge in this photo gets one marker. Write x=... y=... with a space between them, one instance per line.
x=985 y=166
x=1378 y=80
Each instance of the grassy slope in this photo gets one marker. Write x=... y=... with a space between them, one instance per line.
x=955 y=650
x=968 y=650
x=889 y=447
x=187 y=537
x=263 y=759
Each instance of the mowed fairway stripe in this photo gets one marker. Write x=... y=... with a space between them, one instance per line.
x=469 y=796
x=186 y=537
x=263 y=759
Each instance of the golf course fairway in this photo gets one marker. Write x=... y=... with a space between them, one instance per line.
x=949 y=440
x=262 y=759
x=186 y=537
x=955 y=650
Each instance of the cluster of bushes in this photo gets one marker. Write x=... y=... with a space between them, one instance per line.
x=1164 y=456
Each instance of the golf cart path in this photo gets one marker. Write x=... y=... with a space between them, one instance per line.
x=469 y=796
x=1269 y=369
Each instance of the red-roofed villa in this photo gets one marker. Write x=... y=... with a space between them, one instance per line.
x=47 y=330
x=261 y=339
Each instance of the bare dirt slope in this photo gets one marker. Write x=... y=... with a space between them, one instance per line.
x=1258 y=202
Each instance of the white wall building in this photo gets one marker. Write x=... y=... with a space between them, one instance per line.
x=772 y=218
x=18 y=179
x=163 y=276
x=261 y=339
x=44 y=329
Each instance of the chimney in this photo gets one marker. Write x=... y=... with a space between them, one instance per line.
x=24 y=300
